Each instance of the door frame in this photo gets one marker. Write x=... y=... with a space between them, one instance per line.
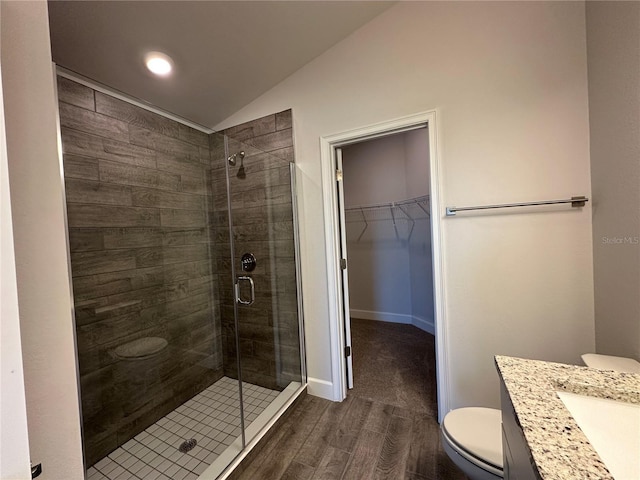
x=328 y=146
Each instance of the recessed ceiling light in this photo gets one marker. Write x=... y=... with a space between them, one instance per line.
x=159 y=63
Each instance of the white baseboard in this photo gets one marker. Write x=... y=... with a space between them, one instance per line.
x=422 y=323
x=425 y=324
x=320 y=388
x=381 y=316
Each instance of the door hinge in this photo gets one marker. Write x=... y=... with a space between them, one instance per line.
x=347 y=351
x=343 y=263
x=36 y=470
x=338 y=175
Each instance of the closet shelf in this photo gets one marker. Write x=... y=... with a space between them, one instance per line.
x=403 y=211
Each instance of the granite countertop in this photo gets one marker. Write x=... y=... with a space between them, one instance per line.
x=559 y=448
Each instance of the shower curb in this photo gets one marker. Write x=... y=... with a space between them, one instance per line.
x=265 y=440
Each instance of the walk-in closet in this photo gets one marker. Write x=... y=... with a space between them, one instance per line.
x=390 y=282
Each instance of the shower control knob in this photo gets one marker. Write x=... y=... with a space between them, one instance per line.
x=248 y=262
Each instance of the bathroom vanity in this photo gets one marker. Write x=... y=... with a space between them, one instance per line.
x=563 y=422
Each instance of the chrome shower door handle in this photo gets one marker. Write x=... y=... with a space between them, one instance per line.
x=239 y=300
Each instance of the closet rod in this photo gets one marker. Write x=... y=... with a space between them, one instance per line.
x=574 y=201
x=416 y=200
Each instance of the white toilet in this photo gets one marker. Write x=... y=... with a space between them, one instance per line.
x=608 y=362
x=472 y=436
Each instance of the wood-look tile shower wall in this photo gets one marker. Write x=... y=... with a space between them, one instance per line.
x=137 y=194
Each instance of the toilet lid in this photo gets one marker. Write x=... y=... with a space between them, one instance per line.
x=608 y=362
x=476 y=430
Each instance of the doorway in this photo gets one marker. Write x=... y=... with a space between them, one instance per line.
x=388 y=284
x=336 y=224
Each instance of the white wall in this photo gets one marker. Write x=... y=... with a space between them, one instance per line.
x=44 y=296
x=379 y=268
x=14 y=441
x=416 y=147
x=420 y=262
x=509 y=80
x=613 y=48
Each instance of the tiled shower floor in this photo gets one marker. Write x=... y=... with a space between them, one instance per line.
x=212 y=417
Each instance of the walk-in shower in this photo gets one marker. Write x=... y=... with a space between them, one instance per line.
x=185 y=283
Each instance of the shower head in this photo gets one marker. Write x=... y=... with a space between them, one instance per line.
x=241 y=173
x=232 y=158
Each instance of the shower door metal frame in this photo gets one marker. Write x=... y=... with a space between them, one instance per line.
x=234 y=280
x=296 y=245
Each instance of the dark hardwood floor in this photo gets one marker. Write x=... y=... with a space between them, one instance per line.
x=386 y=428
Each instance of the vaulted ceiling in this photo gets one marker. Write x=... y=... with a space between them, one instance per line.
x=226 y=53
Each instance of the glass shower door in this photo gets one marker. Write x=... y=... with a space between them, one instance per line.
x=263 y=287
